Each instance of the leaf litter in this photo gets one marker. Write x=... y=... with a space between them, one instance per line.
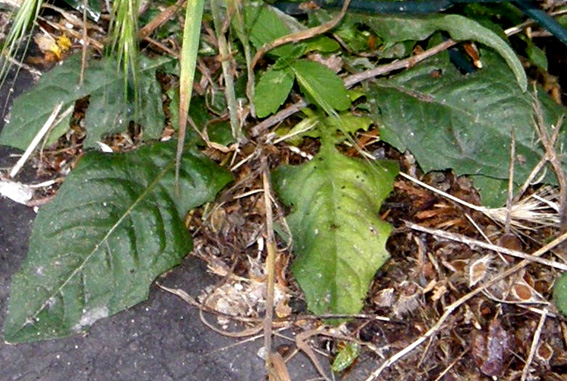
x=508 y=329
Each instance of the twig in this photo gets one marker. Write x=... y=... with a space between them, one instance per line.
x=41 y=133
x=280 y=116
x=162 y=47
x=533 y=348
x=510 y=198
x=352 y=80
x=160 y=19
x=449 y=310
x=402 y=64
x=192 y=302
x=470 y=241
x=300 y=36
x=270 y=266
x=442 y=374
x=553 y=159
x=85 y=45
x=519 y=211
x=301 y=342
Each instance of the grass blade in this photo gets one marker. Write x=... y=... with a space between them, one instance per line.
x=188 y=61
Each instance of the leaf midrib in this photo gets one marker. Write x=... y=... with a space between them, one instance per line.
x=103 y=240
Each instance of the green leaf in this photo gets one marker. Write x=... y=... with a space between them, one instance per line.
x=115 y=225
x=396 y=28
x=346 y=357
x=272 y=90
x=535 y=54
x=322 y=44
x=267 y=24
x=321 y=84
x=109 y=113
x=462 y=122
x=103 y=83
x=337 y=235
x=345 y=123
x=494 y=191
x=93 y=7
x=560 y=293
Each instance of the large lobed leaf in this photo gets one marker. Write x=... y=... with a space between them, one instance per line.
x=337 y=234
x=115 y=225
x=108 y=112
x=462 y=122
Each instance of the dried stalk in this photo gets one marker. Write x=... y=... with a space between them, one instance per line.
x=451 y=308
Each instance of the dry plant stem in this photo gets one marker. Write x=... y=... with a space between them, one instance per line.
x=440 y=377
x=192 y=302
x=85 y=44
x=41 y=133
x=444 y=194
x=303 y=345
x=225 y=58
x=529 y=180
x=160 y=19
x=554 y=160
x=510 y=198
x=73 y=33
x=36 y=74
x=270 y=267
x=520 y=27
x=451 y=308
x=279 y=370
x=352 y=80
x=162 y=47
x=277 y=118
x=533 y=348
x=300 y=36
x=473 y=242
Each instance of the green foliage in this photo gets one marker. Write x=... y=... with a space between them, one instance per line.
x=24 y=19
x=124 y=39
x=462 y=122
x=108 y=112
x=115 y=225
x=266 y=24
x=401 y=28
x=317 y=81
x=346 y=357
x=93 y=8
x=337 y=235
x=188 y=62
x=321 y=84
x=560 y=293
x=272 y=90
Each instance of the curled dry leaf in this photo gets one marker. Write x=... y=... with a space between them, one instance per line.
x=409 y=299
x=491 y=350
x=384 y=298
x=523 y=292
x=478 y=269
x=544 y=353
